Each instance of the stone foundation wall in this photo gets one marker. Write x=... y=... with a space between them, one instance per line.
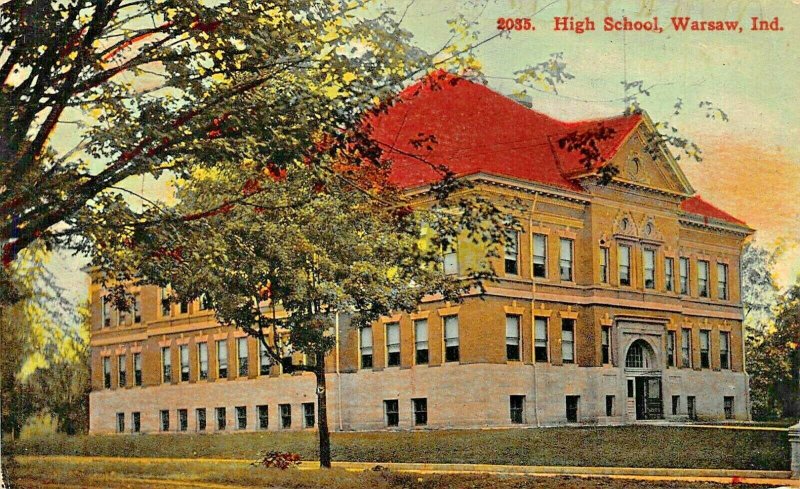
x=458 y=396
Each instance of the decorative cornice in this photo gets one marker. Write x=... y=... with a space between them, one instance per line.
x=715 y=224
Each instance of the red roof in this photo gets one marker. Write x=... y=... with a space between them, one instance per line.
x=477 y=130
x=468 y=128
x=696 y=205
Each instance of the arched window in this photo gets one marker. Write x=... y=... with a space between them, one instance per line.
x=638 y=355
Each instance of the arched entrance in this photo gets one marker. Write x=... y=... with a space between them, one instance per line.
x=644 y=378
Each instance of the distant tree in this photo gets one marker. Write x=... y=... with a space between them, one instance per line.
x=759 y=300
x=32 y=333
x=759 y=291
x=774 y=362
x=61 y=387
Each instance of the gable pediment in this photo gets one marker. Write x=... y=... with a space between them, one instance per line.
x=654 y=170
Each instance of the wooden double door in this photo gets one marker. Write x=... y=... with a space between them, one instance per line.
x=649 y=401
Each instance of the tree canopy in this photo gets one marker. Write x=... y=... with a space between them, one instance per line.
x=149 y=85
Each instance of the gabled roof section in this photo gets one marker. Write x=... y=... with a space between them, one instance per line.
x=622 y=126
x=471 y=129
x=448 y=121
x=698 y=206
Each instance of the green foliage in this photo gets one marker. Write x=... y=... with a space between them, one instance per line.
x=767 y=360
x=774 y=361
x=150 y=86
x=43 y=357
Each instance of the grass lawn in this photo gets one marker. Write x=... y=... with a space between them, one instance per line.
x=49 y=474
x=631 y=446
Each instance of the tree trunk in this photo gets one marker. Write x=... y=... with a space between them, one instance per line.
x=322 y=414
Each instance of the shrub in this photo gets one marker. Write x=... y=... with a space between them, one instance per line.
x=281 y=460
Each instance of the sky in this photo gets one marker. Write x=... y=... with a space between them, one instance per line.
x=750 y=167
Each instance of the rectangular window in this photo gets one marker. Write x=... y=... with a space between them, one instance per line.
x=221 y=415
x=420 y=408
x=683 y=273
x=136 y=422
x=565 y=259
x=222 y=359
x=605 y=345
x=264 y=360
x=308 y=415
x=517 y=408
x=200 y=414
x=392 y=344
x=704 y=349
x=610 y=405
x=183 y=420
x=165 y=302
x=263 y=417
x=242 y=357
x=604 y=265
x=421 y=341
x=184 y=351
x=676 y=405
x=540 y=342
x=450 y=259
x=702 y=278
x=137 y=369
x=202 y=360
x=630 y=388
x=137 y=309
x=366 y=346
x=164 y=420
x=123 y=318
x=391 y=412
x=512 y=338
x=568 y=340
x=205 y=302
x=722 y=281
x=624 y=257
x=669 y=274
x=670 y=348
x=107 y=372
x=512 y=253
x=105 y=311
x=691 y=407
x=286 y=415
x=728 y=407
x=122 y=371
x=286 y=363
x=572 y=408
x=184 y=307
x=724 y=349
x=649 y=269
x=241 y=417
x=451 y=352
x=686 y=348
x=540 y=255
x=166 y=365
x=120 y=422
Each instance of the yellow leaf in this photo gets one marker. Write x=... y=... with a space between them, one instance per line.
x=348 y=77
